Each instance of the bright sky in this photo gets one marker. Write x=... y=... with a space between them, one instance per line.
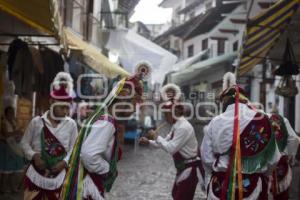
x=148 y=12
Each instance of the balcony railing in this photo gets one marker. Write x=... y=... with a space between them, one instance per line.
x=113 y=20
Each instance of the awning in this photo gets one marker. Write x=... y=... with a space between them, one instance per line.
x=35 y=13
x=196 y=69
x=133 y=49
x=263 y=32
x=93 y=56
x=43 y=15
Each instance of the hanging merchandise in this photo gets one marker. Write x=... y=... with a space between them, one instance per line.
x=287 y=86
x=13 y=49
x=289 y=65
x=20 y=68
x=48 y=64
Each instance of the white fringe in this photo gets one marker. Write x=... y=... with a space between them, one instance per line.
x=164 y=95
x=44 y=182
x=201 y=182
x=228 y=80
x=90 y=189
x=255 y=194
x=63 y=77
x=183 y=175
x=286 y=182
x=144 y=63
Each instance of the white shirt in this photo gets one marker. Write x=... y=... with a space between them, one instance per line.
x=184 y=140
x=148 y=122
x=65 y=132
x=218 y=138
x=97 y=147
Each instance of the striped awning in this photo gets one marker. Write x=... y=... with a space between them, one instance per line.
x=263 y=32
x=36 y=13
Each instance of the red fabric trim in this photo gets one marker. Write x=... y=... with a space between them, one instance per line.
x=186 y=188
x=218 y=179
x=282 y=195
x=282 y=168
x=53 y=146
x=49 y=194
x=256 y=135
x=98 y=181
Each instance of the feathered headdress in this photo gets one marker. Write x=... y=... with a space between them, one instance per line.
x=229 y=80
x=230 y=86
x=144 y=69
x=170 y=92
x=62 y=87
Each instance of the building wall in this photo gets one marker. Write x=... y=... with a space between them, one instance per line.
x=212 y=44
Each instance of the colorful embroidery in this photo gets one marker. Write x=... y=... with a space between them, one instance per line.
x=257 y=143
x=52 y=150
x=249 y=184
x=255 y=138
x=279 y=130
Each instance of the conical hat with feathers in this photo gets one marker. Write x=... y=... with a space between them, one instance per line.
x=230 y=86
x=170 y=92
x=62 y=87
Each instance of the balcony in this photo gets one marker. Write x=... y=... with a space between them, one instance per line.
x=113 y=20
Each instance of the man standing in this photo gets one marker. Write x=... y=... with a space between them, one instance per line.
x=48 y=143
x=287 y=142
x=182 y=144
x=239 y=148
x=93 y=166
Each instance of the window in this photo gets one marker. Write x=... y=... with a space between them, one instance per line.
x=221 y=47
x=68 y=12
x=191 y=15
x=204 y=44
x=190 y=50
x=235 y=46
x=88 y=22
x=90 y=8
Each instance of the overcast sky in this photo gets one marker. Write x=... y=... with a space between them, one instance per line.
x=148 y=12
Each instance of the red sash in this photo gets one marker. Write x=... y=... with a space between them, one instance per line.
x=182 y=163
x=104 y=182
x=52 y=150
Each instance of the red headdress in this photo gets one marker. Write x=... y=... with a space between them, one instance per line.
x=230 y=86
x=62 y=87
x=171 y=94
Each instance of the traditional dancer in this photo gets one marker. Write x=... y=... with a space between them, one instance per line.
x=181 y=143
x=93 y=166
x=48 y=143
x=238 y=148
x=287 y=142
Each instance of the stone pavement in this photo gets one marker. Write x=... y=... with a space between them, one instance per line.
x=148 y=174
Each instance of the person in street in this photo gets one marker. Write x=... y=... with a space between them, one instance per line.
x=48 y=142
x=239 y=148
x=181 y=143
x=148 y=124
x=93 y=167
x=12 y=161
x=287 y=142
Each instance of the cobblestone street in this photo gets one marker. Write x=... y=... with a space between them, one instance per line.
x=146 y=174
